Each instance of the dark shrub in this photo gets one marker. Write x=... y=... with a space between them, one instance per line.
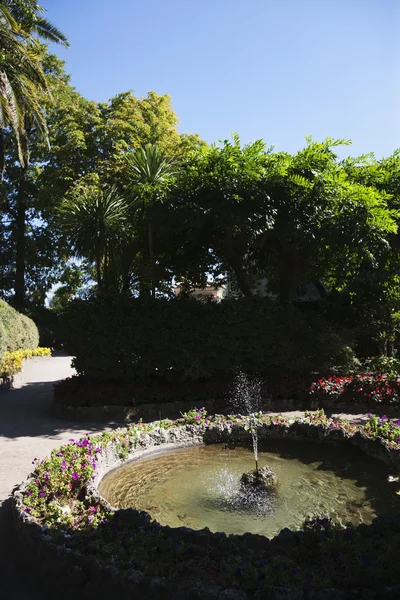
x=185 y=340
x=50 y=330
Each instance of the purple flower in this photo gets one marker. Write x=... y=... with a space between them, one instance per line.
x=41 y=494
x=197 y=418
x=384 y=418
x=63 y=466
x=27 y=510
x=29 y=493
x=75 y=476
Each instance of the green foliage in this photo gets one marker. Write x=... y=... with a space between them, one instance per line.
x=383 y=364
x=22 y=79
x=3 y=338
x=186 y=340
x=20 y=331
x=48 y=323
x=30 y=339
x=92 y=220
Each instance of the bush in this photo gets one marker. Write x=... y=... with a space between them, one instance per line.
x=82 y=391
x=187 y=341
x=3 y=339
x=48 y=323
x=30 y=338
x=383 y=364
x=20 y=331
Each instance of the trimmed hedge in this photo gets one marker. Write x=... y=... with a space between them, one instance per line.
x=18 y=332
x=180 y=340
x=3 y=340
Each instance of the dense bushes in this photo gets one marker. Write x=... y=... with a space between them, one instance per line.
x=17 y=331
x=184 y=340
x=83 y=391
x=48 y=323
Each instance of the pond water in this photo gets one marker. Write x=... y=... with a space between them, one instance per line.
x=199 y=487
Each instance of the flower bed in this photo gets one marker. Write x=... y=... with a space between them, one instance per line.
x=368 y=390
x=71 y=524
x=11 y=363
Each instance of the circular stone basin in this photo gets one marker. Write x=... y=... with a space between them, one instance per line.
x=200 y=487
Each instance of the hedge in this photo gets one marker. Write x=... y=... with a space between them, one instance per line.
x=17 y=331
x=180 y=340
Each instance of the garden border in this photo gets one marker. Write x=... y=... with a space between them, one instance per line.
x=86 y=574
x=161 y=410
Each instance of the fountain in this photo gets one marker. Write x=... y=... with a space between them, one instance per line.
x=247 y=396
x=261 y=479
x=221 y=486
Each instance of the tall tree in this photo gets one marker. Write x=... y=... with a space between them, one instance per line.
x=93 y=220
x=290 y=219
x=23 y=87
x=151 y=176
x=22 y=80
x=74 y=129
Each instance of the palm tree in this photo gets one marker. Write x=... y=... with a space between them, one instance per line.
x=93 y=222
x=22 y=80
x=23 y=86
x=150 y=174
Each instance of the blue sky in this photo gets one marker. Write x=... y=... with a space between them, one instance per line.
x=277 y=70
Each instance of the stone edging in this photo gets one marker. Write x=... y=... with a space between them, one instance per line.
x=77 y=572
x=162 y=410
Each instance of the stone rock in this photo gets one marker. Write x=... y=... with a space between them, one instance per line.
x=161 y=588
x=198 y=591
x=233 y=595
x=278 y=593
x=264 y=478
x=328 y=594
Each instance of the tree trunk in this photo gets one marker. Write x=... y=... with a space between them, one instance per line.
x=236 y=263
x=98 y=267
x=20 y=223
x=151 y=256
x=288 y=282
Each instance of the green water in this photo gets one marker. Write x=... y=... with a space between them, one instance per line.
x=199 y=487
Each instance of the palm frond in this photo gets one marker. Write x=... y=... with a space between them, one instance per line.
x=149 y=167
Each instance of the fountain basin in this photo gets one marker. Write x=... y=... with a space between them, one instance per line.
x=202 y=486
x=144 y=558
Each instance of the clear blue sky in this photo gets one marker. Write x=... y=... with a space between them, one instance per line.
x=276 y=69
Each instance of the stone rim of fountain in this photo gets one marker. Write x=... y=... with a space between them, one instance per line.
x=162 y=440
